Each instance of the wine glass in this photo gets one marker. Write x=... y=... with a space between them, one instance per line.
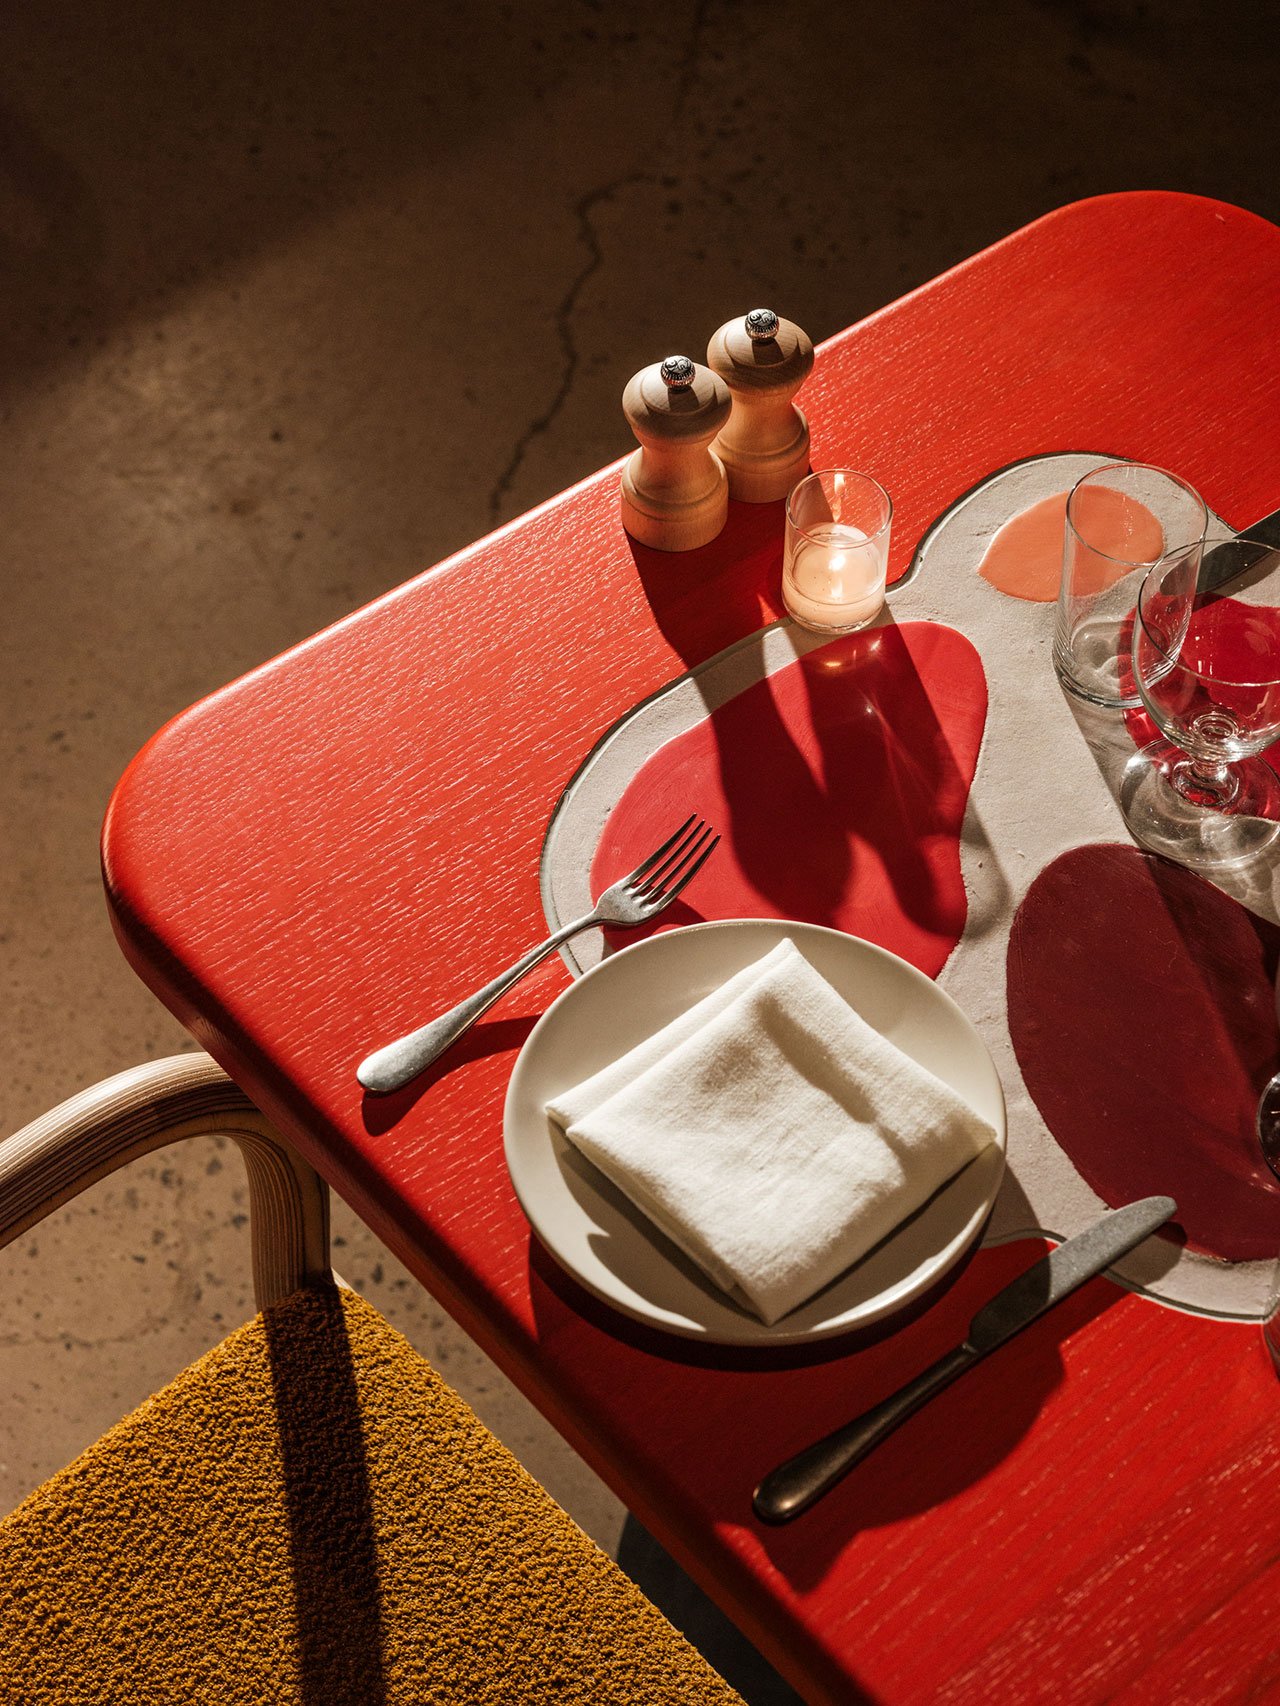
x=1206 y=651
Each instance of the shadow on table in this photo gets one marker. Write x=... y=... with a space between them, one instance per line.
x=961 y=1437
x=957 y=1440
x=1018 y=1220
x=864 y=759
x=498 y=1036
x=555 y=1290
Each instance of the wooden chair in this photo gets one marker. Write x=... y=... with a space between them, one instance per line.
x=308 y=1514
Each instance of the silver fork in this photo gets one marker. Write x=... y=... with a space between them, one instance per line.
x=634 y=899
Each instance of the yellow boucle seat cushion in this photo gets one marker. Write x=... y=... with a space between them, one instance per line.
x=309 y=1515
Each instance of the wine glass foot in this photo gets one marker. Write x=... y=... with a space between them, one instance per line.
x=1204 y=828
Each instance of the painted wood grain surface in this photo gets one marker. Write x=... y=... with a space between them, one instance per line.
x=347 y=840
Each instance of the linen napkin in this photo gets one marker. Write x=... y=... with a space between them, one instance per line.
x=771 y=1133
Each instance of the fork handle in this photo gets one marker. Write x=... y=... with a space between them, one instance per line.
x=396 y=1065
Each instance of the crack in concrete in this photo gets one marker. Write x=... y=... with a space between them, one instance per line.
x=686 y=79
x=563 y=319
x=148 y=1327
x=687 y=74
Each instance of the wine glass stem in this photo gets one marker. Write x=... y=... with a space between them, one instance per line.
x=1205 y=783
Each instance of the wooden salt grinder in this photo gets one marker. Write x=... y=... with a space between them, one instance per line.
x=674 y=492
x=765 y=446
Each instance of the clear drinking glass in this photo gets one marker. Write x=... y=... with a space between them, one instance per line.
x=836 y=550
x=1121 y=519
x=1207 y=661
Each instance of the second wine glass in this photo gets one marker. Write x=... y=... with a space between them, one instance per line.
x=1206 y=655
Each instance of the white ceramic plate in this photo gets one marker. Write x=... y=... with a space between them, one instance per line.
x=615 y=1251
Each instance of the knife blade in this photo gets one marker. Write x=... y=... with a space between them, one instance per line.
x=796 y=1484
x=1223 y=562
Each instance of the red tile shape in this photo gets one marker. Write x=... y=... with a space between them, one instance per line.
x=839 y=785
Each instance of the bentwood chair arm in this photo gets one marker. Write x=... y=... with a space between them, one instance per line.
x=74 y=1145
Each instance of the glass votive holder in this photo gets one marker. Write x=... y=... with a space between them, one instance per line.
x=1121 y=519
x=836 y=551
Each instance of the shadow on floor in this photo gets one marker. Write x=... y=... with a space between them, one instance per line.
x=682 y=1602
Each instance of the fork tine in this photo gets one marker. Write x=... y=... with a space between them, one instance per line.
x=670 y=894
x=635 y=876
x=666 y=874
x=674 y=860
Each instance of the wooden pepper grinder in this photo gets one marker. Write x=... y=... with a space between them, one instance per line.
x=674 y=492
x=764 y=361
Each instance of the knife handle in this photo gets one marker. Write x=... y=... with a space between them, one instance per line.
x=796 y=1484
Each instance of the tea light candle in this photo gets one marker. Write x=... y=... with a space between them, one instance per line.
x=836 y=550
x=836 y=578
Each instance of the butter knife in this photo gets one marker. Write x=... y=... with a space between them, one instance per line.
x=794 y=1485
x=1223 y=562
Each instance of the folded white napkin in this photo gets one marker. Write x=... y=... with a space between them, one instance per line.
x=771 y=1133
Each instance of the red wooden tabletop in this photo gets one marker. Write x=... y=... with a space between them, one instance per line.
x=328 y=850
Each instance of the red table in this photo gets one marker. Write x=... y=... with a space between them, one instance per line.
x=321 y=854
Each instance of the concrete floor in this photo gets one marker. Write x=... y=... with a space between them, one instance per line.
x=298 y=300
